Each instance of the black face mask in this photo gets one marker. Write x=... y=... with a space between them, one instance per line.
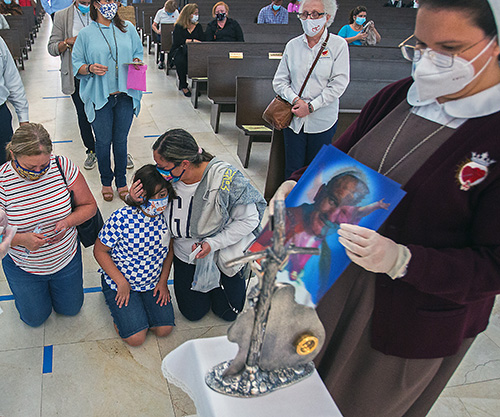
x=220 y=16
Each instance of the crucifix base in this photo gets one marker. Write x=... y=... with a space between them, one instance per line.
x=253 y=381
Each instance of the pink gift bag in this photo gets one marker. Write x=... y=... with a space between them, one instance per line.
x=136 y=79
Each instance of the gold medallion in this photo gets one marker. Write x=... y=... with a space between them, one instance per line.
x=306 y=344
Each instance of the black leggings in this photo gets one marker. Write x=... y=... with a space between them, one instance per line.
x=194 y=304
x=181 y=65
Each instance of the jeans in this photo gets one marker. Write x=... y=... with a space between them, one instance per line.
x=194 y=304
x=301 y=148
x=36 y=295
x=141 y=313
x=5 y=130
x=111 y=126
x=83 y=123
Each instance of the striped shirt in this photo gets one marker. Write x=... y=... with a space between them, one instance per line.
x=41 y=203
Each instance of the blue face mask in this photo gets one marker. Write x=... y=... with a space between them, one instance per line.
x=84 y=9
x=361 y=20
x=275 y=7
x=167 y=174
x=7 y=1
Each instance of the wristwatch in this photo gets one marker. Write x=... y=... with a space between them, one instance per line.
x=88 y=69
x=310 y=107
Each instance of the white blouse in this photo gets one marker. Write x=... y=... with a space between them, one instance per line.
x=327 y=83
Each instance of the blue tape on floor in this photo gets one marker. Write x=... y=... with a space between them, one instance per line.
x=92 y=289
x=62 y=141
x=52 y=98
x=6 y=297
x=147 y=92
x=88 y=290
x=48 y=353
x=151 y=136
x=53 y=70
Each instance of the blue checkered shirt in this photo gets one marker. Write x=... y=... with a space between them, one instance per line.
x=138 y=247
x=266 y=15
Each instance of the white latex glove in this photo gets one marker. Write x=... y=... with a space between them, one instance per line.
x=10 y=232
x=373 y=251
x=281 y=193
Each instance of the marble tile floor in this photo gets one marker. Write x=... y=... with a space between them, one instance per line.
x=79 y=366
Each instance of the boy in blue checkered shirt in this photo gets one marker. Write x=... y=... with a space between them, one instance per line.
x=132 y=251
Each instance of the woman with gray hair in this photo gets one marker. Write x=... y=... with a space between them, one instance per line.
x=315 y=112
x=216 y=213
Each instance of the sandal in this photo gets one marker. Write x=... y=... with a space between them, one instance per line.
x=107 y=195
x=123 y=194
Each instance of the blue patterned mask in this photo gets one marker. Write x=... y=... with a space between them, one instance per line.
x=108 y=10
x=154 y=207
x=167 y=174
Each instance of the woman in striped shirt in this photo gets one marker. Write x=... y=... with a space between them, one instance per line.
x=44 y=264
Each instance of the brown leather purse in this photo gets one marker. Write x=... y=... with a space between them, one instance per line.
x=279 y=112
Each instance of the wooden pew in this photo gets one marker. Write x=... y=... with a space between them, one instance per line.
x=29 y=11
x=12 y=38
x=139 y=16
x=167 y=30
x=19 y=23
x=253 y=94
x=383 y=69
x=222 y=74
x=198 y=53
x=375 y=52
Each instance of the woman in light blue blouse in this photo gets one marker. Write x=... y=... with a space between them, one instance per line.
x=99 y=56
x=353 y=33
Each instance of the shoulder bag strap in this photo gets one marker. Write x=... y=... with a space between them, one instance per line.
x=61 y=171
x=71 y=193
x=323 y=46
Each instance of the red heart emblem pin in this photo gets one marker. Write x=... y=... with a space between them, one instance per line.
x=471 y=175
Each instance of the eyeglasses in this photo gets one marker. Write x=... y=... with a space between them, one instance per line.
x=314 y=15
x=414 y=53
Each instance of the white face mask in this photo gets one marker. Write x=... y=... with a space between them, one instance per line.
x=432 y=81
x=194 y=18
x=312 y=27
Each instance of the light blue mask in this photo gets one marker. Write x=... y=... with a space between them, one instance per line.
x=83 y=9
x=7 y=1
x=361 y=20
x=276 y=7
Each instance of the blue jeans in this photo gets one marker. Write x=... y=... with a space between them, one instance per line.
x=141 y=313
x=301 y=148
x=36 y=295
x=194 y=304
x=5 y=130
x=111 y=126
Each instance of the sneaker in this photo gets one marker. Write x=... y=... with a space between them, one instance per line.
x=130 y=161
x=90 y=161
x=161 y=65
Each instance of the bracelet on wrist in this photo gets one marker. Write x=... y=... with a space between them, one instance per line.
x=310 y=107
x=88 y=69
